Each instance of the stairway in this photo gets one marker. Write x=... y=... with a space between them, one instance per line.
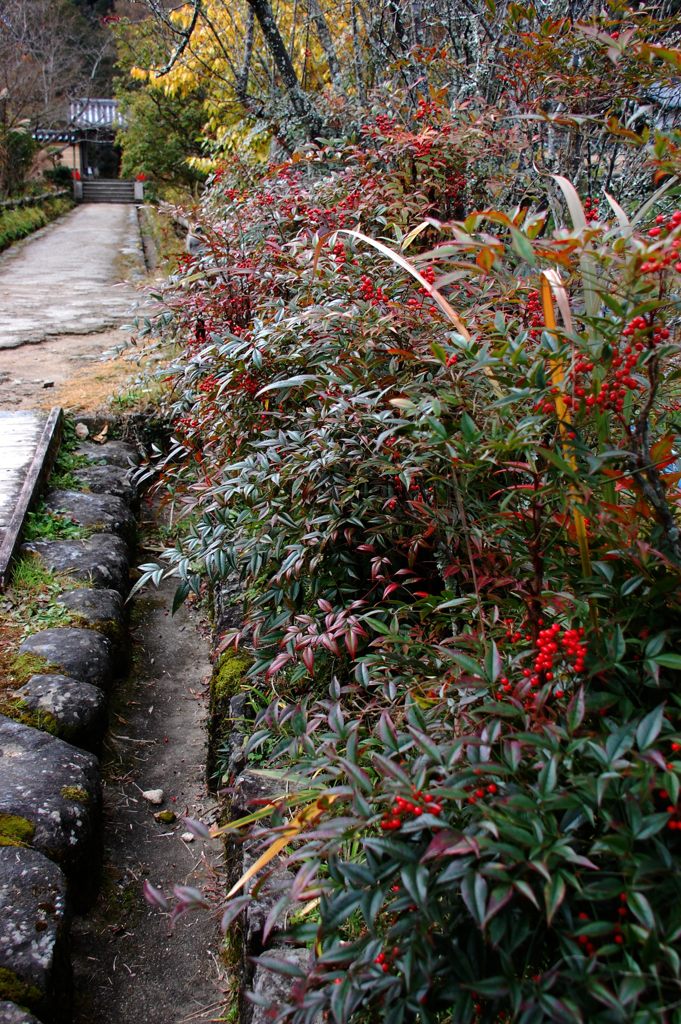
x=108 y=190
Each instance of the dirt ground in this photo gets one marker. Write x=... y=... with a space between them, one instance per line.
x=79 y=372
x=130 y=966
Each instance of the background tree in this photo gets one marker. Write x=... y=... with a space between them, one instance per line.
x=163 y=133
x=50 y=52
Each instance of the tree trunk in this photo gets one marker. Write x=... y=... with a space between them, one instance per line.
x=300 y=101
x=326 y=42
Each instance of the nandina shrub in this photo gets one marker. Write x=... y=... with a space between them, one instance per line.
x=457 y=514
x=493 y=578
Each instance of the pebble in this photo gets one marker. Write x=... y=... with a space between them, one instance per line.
x=153 y=796
x=187 y=837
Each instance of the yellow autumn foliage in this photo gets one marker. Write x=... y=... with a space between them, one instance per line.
x=214 y=61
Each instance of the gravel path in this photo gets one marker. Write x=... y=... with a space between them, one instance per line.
x=72 y=277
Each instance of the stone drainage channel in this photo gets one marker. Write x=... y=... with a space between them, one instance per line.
x=80 y=825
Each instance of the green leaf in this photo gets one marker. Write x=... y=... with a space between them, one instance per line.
x=290 y=382
x=668 y=660
x=467 y=663
x=439 y=352
x=522 y=246
x=493 y=663
x=649 y=727
x=468 y=428
x=641 y=909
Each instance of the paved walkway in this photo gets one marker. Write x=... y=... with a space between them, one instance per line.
x=72 y=277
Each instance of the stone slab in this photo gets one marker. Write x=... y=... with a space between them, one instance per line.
x=76 y=710
x=78 y=653
x=112 y=453
x=101 y=513
x=34 y=919
x=108 y=480
x=10 y=1013
x=272 y=991
x=101 y=560
x=50 y=799
x=98 y=609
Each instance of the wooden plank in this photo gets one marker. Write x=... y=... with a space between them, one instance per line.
x=28 y=447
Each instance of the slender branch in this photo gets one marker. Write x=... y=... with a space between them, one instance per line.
x=185 y=37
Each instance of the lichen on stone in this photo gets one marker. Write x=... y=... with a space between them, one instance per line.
x=15 y=830
x=76 y=793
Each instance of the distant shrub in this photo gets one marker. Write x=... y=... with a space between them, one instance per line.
x=23 y=221
x=60 y=175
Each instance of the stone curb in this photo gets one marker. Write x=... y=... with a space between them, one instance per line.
x=260 y=990
x=50 y=780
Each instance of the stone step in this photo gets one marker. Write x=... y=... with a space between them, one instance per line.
x=108 y=190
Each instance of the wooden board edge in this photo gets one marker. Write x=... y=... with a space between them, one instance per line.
x=38 y=471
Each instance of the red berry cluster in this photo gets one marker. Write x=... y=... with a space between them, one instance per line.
x=386 y=960
x=384 y=125
x=426 y=108
x=413 y=303
x=553 y=646
x=549 y=642
x=369 y=292
x=455 y=184
x=480 y=792
x=422 y=145
x=403 y=809
x=208 y=384
x=590 y=210
x=186 y=423
x=663 y=258
x=246 y=382
x=617 y=932
x=533 y=316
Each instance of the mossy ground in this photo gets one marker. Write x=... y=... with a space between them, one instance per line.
x=28 y=606
x=15 y=830
x=23 y=666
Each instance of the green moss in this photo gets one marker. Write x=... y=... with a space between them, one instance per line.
x=74 y=793
x=229 y=679
x=36 y=718
x=111 y=628
x=229 y=674
x=16 y=990
x=15 y=831
x=25 y=665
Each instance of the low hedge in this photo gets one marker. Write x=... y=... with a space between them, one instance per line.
x=18 y=223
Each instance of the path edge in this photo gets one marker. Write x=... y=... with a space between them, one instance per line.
x=41 y=464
